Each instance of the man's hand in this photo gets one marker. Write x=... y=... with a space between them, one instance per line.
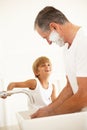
x=42 y=112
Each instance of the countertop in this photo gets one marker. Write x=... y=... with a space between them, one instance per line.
x=15 y=127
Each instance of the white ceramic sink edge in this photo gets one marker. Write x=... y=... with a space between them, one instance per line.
x=74 y=121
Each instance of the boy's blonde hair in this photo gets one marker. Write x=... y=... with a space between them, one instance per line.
x=39 y=61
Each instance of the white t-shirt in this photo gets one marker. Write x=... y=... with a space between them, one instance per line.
x=76 y=58
x=41 y=96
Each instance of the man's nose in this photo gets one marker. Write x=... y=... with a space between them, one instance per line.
x=49 y=42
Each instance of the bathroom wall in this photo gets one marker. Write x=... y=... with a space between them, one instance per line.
x=20 y=45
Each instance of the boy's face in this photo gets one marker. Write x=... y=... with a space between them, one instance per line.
x=44 y=69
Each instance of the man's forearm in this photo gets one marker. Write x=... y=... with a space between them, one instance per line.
x=63 y=96
x=73 y=104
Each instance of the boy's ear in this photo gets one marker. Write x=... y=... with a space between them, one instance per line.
x=37 y=74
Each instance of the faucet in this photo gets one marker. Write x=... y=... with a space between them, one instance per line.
x=4 y=94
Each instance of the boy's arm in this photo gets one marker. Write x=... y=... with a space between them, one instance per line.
x=31 y=84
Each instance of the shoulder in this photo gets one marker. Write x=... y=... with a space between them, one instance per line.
x=32 y=83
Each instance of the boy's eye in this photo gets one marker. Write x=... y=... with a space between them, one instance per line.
x=49 y=65
x=45 y=65
x=42 y=65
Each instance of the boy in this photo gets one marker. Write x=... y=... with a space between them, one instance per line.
x=43 y=91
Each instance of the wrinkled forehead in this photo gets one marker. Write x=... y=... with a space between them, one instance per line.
x=42 y=33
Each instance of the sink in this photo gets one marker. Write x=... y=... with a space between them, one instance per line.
x=74 y=121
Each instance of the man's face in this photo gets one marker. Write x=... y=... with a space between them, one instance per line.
x=51 y=36
x=55 y=37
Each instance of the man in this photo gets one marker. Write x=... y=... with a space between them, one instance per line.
x=54 y=26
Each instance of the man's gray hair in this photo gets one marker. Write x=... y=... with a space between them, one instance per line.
x=47 y=15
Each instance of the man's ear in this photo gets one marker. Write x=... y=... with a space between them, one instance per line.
x=54 y=26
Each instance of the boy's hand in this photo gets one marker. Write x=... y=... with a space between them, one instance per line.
x=3 y=94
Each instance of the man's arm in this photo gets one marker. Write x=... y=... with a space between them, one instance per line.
x=77 y=101
x=50 y=109
x=67 y=102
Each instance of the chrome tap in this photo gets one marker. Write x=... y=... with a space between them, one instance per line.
x=4 y=94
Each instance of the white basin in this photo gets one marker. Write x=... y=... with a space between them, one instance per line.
x=74 y=121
